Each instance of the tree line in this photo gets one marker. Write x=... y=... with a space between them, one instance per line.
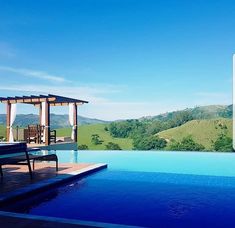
x=143 y=132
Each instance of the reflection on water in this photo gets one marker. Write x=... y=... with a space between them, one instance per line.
x=45 y=152
x=74 y=158
x=71 y=156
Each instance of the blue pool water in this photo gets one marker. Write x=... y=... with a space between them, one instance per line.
x=199 y=163
x=149 y=189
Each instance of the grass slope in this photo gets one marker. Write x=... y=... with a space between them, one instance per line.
x=3 y=130
x=202 y=131
x=85 y=132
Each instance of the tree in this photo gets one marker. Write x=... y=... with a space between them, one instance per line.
x=127 y=128
x=112 y=146
x=187 y=144
x=223 y=143
x=95 y=139
x=83 y=147
x=155 y=127
x=148 y=126
x=149 y=143
x=106 y=128
x=2 y=138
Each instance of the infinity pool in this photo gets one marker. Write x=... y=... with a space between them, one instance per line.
x=199 y=163
x=147 y=189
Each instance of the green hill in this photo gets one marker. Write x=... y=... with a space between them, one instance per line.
x=84 y=136
x=86 y=131
x=202 y=131
x=2 y=131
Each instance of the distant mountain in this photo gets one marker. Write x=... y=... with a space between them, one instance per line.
x=57 y=121
x=200 y=112
x=61 y=121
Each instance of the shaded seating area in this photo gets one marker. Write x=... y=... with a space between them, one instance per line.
x=19 y=154
x=35 y=134
x=41 y=133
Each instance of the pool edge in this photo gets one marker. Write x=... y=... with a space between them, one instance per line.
x=46 y=184
x=55 y=221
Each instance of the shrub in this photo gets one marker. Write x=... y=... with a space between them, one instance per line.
x=187 y=144
x=106 y=128
x=223 y=143
x=83 y=147
x=95 y=139
x=149 y=143
x=112 y=146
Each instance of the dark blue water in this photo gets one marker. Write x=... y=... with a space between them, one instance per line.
x=141 y=198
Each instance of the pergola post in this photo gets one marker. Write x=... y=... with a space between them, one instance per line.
x=40 y=113
x=47 y=123
x=75 y=123
x=8 y=120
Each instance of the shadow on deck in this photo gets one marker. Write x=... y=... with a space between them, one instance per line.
x=16 y=177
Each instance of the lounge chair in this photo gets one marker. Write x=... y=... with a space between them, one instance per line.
x=18 y=154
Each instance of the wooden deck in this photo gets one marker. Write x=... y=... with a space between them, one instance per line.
x=16 y=177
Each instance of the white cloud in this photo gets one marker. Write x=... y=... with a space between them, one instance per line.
x=94 y=94
x=99 y=106
x=34 y=74
x=102 y=106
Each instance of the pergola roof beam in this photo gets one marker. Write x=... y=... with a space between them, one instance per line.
x=66 y=99
x=53 y=100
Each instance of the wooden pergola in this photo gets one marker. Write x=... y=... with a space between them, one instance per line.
x=47 y=100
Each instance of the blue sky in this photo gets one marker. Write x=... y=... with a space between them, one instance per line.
x=129 y=58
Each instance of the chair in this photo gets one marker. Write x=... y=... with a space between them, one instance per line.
x=10 y=156
x=8 y=150
x=41 y=133
x=53 y=136
x=33 y=134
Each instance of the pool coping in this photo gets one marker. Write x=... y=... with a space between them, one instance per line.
x=51 y=182
x=59 y=221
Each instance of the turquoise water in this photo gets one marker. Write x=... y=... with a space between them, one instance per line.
x=198 y=163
